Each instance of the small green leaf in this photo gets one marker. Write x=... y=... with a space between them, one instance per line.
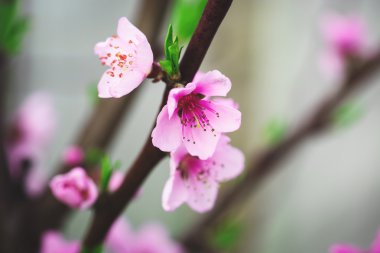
x=93 y=156
x=227 y=235
x=168 y=41
x=172 y=54
x=166 y=66
x=105 y=173
x=186 y=16
x=347 y=114
x=275 y=131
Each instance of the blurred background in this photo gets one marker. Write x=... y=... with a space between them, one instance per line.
x=327 y=190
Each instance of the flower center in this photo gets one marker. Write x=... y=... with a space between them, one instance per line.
x=191 y=110
x=120 y=57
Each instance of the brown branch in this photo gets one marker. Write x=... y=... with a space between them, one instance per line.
x=111 y=206
x=212 y=17
x=195 y=240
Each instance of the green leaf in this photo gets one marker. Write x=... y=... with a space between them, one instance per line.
x=227 y=235
x=166 y=66
x=275 y=131
x=168 y=41
x=172 y=54
x=186 y=16
x=12 y=27
x=97 y=249
x=106 y=170
x=347 y=114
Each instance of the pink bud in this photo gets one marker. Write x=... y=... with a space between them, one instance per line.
x=74 y=188
x=73 y=156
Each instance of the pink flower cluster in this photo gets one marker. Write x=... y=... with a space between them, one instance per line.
x=346 y=248
x=151 y=238
x=191 y=125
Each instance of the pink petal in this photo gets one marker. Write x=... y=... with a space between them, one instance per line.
x=154 y=238
x=114 y=86
x=167 y=134
x=229 y=118
x=53 y=242
x=175 y=192
x=120 y=237
x=202 y=195
x=339 y=248
x=375 y=248
x=127 y=31
x=226 y=102
x=212 y=83
x=144 y=58
x=227 y=161
x=176 y=157
x=199 y=142
x=175 y=95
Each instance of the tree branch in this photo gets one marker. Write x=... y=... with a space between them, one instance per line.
x=195 y=240
x=212 y=17
x=112 y=205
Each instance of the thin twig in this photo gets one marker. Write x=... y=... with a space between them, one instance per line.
x=195 y=240
x=111 y=206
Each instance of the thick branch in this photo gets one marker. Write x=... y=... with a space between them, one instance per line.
x=111 y=206
x=268 y=162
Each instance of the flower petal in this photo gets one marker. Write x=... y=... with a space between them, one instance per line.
x=375 y=248
x=175 y=95
x=175 y=192
x=202 y=194
x=339 y=248
x=229 y=118
x=127 y=31
x=167 y=133
x=212 y=83
x=176 y=157
x=144 y=58
x=227 y=161
x=111 y=85
x=199 y=142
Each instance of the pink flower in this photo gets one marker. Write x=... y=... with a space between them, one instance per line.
x=196 y=181
x=346 y=38
x=151 y=238
x=130 y=58
x=35 y=120
x=346 y=248
x=346 y=35
x=192 y=118
x=74 y=188
x=31 y=131
x=73 y=156
x=53 y=242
